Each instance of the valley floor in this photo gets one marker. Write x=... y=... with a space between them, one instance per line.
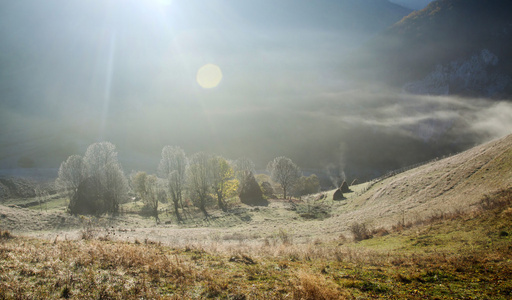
x=439 y=231
x=464 y=256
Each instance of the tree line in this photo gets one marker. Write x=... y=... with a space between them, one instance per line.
x=96 y=184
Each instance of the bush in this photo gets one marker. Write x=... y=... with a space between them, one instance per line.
x=360 y=232
x=314 y=286
x=285 y=237
x=313 y=210
x=5 y=234
x=498 y=199
x=267 y=190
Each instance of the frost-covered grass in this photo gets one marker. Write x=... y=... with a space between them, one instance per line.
x=461 y=257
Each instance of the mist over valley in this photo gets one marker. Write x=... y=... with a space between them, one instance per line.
x=75 y=74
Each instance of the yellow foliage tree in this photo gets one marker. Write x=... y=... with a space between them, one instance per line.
x=223 y=181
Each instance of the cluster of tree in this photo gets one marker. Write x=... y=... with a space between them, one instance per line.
x=96 y=183
x=288 y=175
x=149 y=189
x=307 y=185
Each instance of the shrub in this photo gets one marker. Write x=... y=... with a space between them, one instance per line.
x=5 y=234
x=500 y=199
x=285 y=237
x=87 y=233
x=312 y=286
x=360 y=232
x=313 y=209
x=268 y=190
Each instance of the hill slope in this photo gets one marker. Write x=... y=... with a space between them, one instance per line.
x=450 y=47
x=454 y=183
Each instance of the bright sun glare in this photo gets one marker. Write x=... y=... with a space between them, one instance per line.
x=209 y=76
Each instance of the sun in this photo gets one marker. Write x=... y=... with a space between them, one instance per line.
x=209 y=76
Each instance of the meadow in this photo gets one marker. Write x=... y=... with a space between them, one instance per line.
x=456 y=256
x=438 y=231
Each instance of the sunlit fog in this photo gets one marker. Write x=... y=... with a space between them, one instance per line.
x=236 y=78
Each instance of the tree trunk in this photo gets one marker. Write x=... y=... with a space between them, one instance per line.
x=176 y=211
x=155 y=214
x=284 y=193
x=203 y=209
x=221 y=203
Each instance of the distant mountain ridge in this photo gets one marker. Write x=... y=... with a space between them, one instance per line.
x=413 y=4
x=334 y=15
x=451 y=47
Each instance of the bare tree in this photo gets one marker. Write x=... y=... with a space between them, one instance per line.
x=199 y=180
x=139 y=184
x=96 y=182
x=284 y=171
x=243 y=167
x=222 y=180
x=172 y=167
x=99 y=157
x=156 y=194
x=107 y=178
x=244 y=171
x=72 y=173
x=149 y=190
x=153 y=195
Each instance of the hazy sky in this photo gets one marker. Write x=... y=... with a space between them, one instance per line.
x=239 y=78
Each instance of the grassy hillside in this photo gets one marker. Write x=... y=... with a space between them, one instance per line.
x=455 y=183
x=442 y=230
x=465 y=256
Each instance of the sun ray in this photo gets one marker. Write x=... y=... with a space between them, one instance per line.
x=107 y=93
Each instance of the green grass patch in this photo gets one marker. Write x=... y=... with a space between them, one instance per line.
x=53 y=204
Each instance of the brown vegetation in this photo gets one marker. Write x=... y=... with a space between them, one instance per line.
x=427 y=261
x=456 y=249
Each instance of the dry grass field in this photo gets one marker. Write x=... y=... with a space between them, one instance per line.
x=439 y=231
x=465 y=256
